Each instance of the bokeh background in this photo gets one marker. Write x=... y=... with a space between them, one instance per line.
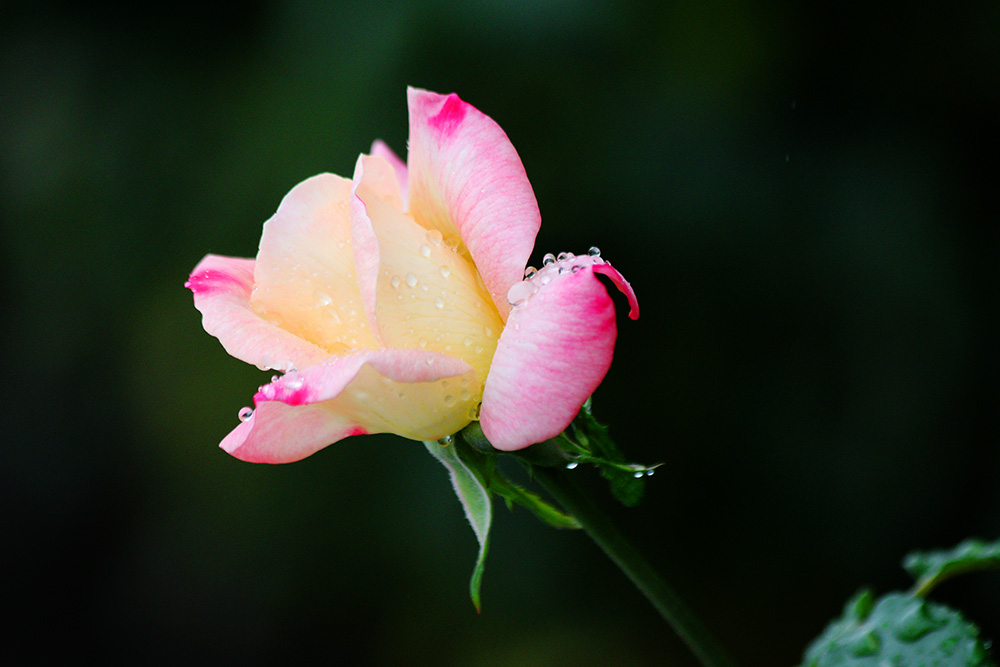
x=800 y=196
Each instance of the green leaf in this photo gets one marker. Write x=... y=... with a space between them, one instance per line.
x=594 y=445
x=930 y=568
x=471 y=487
x=512 y=492
x=897 y=629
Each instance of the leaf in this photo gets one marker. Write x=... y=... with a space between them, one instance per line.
x=897 y=629
x=596 y=446
x=543 y=510
x=471 y=487
x=930 y=568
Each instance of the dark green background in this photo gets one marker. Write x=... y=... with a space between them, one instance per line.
x=800 y=196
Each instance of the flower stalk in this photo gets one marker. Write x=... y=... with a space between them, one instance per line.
x=611 y=541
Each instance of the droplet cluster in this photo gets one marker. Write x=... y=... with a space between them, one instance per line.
x=552 y=266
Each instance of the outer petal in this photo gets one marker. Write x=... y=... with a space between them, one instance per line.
x=382 y=150
x=222 y=287
x=407 y=392
x=467 y=181
x=554 y=352
x=305 y=273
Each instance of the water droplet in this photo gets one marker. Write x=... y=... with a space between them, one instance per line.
x=411 y=280
x=434 y=236
x=446 y=440
x=451 y=243
x=520 y=292
x=594 y=251
x=439 y=302
x=422 y=342
x=563 y=256
x=637 y=474
x=488 y=332
x=450 y=400
x=571 y=465
x=445 y=272
x=323 y=299
x=474 y=411
x=425 y=250
x=245 y=414
x=467 y=341
x=530 y=272
x=548 y=259
x=395 y=282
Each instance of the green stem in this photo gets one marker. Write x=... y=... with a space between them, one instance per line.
x=634 y=565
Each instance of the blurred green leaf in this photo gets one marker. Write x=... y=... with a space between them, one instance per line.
x=897 y=629
x=930 y=568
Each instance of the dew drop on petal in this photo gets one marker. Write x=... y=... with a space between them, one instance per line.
x=425 y=250
x=411 y=280
x=434 y=236
x=446 y=440
x=530 y=272
x=563 y=256
x=594 y=251
x=548 y=259
x=450 y=400
x=245 y=414
x=520 y=292
x=445 y=272
x=571 y=465
x=474 y=411
x=395 y=282
x=439 y=302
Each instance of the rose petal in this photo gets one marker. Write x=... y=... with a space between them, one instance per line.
x=428 y=296
x=305 y=273
x=554 y=352
x=382 y=150
x=412 y=393
x=467 y=181
x=623 y=286
x=222 y=287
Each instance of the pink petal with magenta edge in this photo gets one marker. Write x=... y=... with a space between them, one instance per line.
x=222 y=288
x=378 y=391
x=554 y=352
x=467 y=179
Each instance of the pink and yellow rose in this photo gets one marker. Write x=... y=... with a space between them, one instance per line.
x=397 y=301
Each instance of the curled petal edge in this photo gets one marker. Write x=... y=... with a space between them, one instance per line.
x=300 y=413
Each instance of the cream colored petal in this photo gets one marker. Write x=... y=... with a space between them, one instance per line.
x=428 y=296
x=305 y=279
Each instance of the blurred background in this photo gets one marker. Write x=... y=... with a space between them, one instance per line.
x=798 y=195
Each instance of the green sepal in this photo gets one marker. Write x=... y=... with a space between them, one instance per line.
x=591 y=443
x=514 y=493
x=470 y=483
x=930 y=568
x=897 y=629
